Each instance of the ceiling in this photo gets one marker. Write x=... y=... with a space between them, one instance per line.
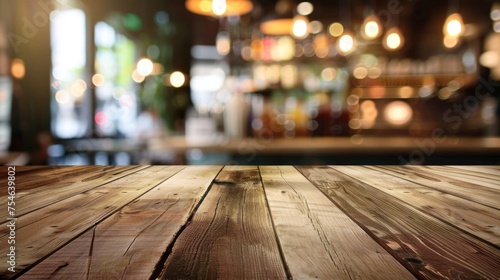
x=420 y=20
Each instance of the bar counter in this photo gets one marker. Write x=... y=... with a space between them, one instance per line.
x=357 y=144
x=252 y=222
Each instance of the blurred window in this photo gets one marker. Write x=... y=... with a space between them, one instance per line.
x=117 y=103
x=71 y=100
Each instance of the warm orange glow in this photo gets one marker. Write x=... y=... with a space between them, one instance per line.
x=282 y=26
x=17 y=69
x=138 y=78
x=398 y=113
x=336 y=29
x=371 y=28
x=219 y=7
x=346 y=44
x=450 y=42
x=360 y=72
x=177 y=79
x=393 y=39
x=223 y=43
x=453 y=26
x=300 y=27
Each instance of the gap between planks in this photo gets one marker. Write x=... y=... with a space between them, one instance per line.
x=42 y=232
x=425 y=245
x=131 y=242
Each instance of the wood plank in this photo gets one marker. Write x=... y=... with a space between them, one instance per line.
x=487 y=169
x=131 y=242
x=318 y=240
x=231 y=234
x=426 y=246
x=31 y=196
x=469 y=191
x=35 y=178
x=478 y=220
x=40 y=233
x=485 y=180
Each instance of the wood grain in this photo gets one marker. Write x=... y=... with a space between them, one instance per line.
x=31 y=196
x=425 y=245
x=40 y=233
x=480 y=169
x=230 y=236
x=131 y=242
x=485 y=180
x=476 y=219
x=39 y=176
x=318 y=239
x=469 y=191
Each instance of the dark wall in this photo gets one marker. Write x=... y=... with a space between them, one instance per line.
x=29 y=40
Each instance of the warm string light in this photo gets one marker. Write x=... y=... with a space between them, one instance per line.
x=453 y=29
x=300 y=28
x=346 y=44
x=393 y=39
x=371 y=28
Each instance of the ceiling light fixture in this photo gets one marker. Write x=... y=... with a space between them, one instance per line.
x=219 y=8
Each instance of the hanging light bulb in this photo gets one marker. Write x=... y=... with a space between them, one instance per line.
x=453 y=26
x=371 y=28
x=346 y=44
x=393 y=39
x=300 y=28
x=219 y=8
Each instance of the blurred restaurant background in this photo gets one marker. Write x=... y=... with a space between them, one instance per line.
x=249 y=82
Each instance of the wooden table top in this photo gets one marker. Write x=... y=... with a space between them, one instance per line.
x=252 y=222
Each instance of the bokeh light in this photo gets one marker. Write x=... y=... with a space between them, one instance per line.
x=398 y=113
x=18 y=69
x=336 y=29
x=177 y=79
x=145 y=67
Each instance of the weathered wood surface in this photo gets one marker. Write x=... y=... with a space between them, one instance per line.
x=230 y=236
x=268 y=222
x=454 y=186
x=50 y=188
x=318 y=239
x=129 y=243
x=428 y=247
x=474 y=218
x=486 y=180
x=42 y=232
